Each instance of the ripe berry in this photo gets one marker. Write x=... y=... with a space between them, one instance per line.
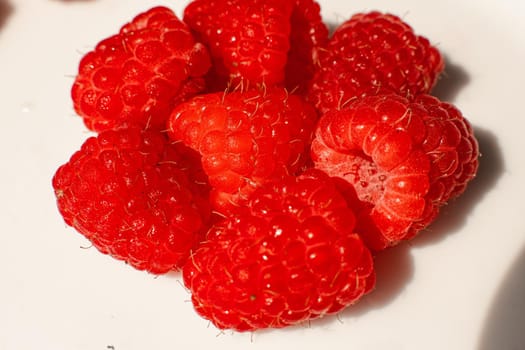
x=405 y=160
x=290 y=255
x=248 y=39
x=245 y=138
x=136 y=197
x=373 y=53
x=138 y=75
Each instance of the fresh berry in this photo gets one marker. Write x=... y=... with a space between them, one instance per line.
x=138 y=75
x=374 y=53
x=405 y=160
x=248 y=40
x=245 y=138
x=290 y=255
x=136 y=197
x=309 y=35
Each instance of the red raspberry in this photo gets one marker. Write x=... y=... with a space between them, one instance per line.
x=374 y=53
x=290 y=255
x=136 y=197
x=405 y=160
x=248 y=39
x=139 y=75
x=308 y=36
x=245 y=138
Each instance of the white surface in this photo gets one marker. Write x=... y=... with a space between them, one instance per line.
x=458 y=286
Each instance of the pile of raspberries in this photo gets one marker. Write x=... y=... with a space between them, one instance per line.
x=266 y=159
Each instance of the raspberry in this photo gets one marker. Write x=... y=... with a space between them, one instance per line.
x=308 y=36
x=136 y=197
x=405 y=160
x=138 y=75
x=288 y=256
x=373 y=53
x=248 y=39
x=266 y=160
x=245 y=138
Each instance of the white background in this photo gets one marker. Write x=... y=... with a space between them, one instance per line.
x=461 y=285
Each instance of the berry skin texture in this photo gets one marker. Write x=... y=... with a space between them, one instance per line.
x=138 y=75
x=290 y=255
x=245 y=139
x=136 y=197
x=248 y=40
x=374 y=53
x=404 y=159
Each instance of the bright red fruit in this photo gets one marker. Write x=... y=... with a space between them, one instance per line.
x=374 y=53
x=136 y=197
x=290 y=255
x=138 y=75
x=245 y=138
x=405 y=160
x=248 y=39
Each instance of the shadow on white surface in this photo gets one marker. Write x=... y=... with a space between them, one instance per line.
x=455 y=215
x=394 y=270
x=332 y=26
x=452 y=80
x=504 y=327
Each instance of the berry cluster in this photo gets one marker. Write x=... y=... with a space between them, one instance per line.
x=264 y=158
